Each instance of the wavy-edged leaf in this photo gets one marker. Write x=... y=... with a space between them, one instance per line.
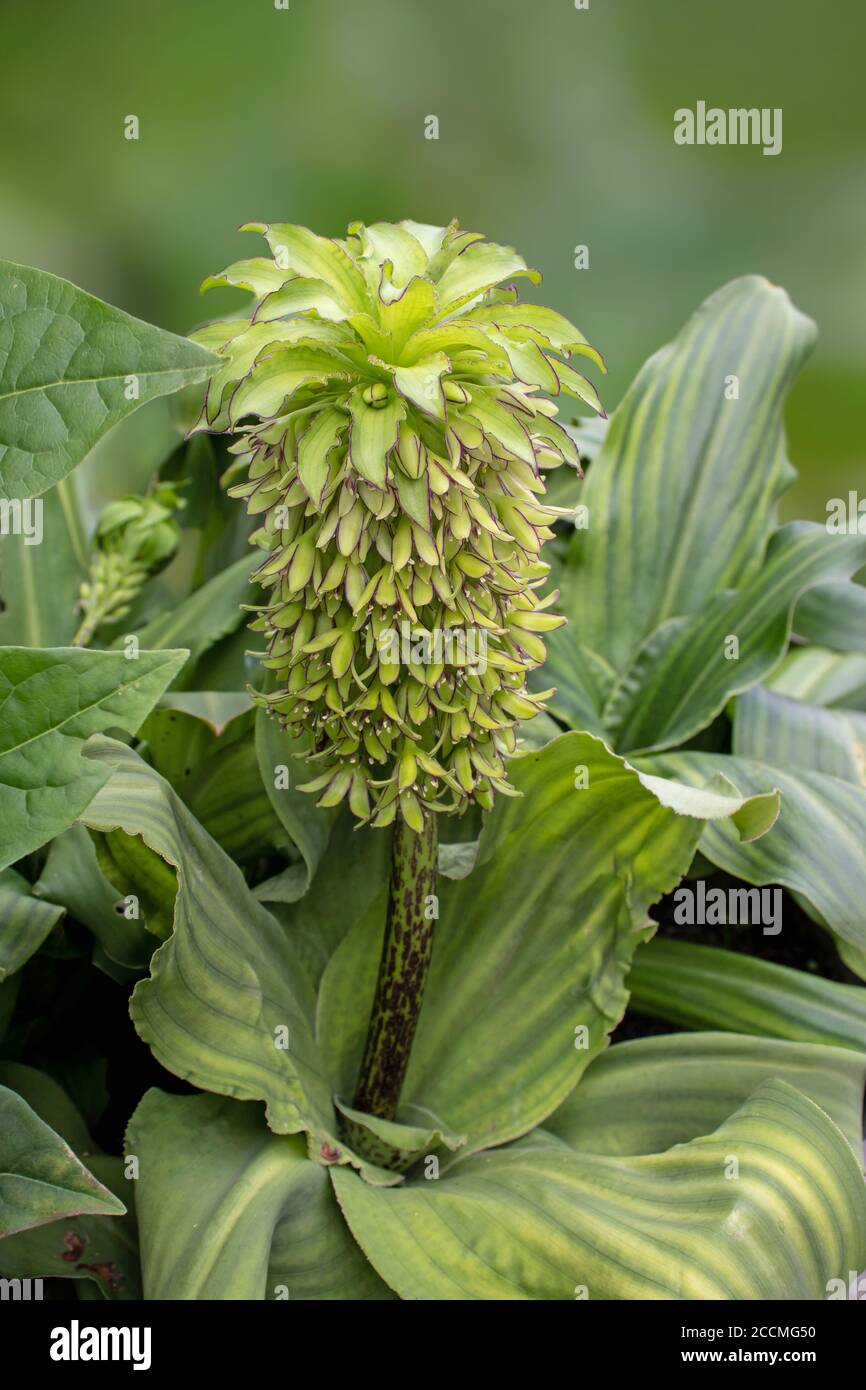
x=50 y=702
x=215 y=1002
x=72 y=876
x=67 y=363
x=682 y=495
x=643 y=1097
x=373 y=435
x=704 y=987
x=227 y=1210
x=527 y=977
x=540 y=1220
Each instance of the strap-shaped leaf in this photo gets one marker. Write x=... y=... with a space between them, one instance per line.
x=70 y=368
x=682 y=495
x=704 y=987
x=833 y=615
x=228 y=1210
x=834 y=679
x=50 y=702
x=771 y=1205
x=793 y=733
x=686 y=671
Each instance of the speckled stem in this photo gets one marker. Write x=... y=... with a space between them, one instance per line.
x=406 y=953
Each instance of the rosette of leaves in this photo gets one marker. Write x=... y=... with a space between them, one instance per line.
x=134 y=538
x=390 y=399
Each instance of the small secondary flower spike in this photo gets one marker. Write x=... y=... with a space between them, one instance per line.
x=396 y=456
x=134 y=538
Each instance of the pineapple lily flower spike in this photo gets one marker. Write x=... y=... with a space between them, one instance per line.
x=396 y=456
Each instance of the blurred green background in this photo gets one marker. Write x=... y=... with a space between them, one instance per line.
x=556 y=129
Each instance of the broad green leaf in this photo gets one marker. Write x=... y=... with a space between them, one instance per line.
x=815 y=850
x=227 y=1210
x=207 y=615
x=214 y=708
x=645 y=1096
x=227 y=1005
x=833 y=615
x=226 y=794
x=555 y=906
x=72 y=876
x=541 y=1220
x=101 y=1250
x=703 y=987
x=39 y=582
x=70 y=368
x=686 y=671
x=50 y=702
x=25 y=921
x=833 y=679
x=682 y=496
x=792 y=733
x=282 y=770
x=41 y=1179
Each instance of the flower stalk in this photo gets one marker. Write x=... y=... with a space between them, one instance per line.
x=405 y=960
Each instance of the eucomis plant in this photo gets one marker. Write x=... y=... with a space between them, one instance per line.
x=391 y=403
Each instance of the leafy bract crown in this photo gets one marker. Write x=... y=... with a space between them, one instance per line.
x=384 y=391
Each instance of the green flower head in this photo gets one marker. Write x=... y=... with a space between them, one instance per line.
x=386 y=396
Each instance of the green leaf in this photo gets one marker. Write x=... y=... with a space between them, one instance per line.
x=682 y=495
x=822 y=677
x=493 y=1062
x=98 y=1249
x=41 y=1179
x=25 y=921
x=791 y=733
x=815 y=850
x=540 y=1220
x=72 y=876
x=280 y=761
x=833 y=615
x=645 y=1096
x=70 y=368
x=39 y=583
x=51 y=701
x=684 y=673
x=228 y=1210
x=703 y=987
